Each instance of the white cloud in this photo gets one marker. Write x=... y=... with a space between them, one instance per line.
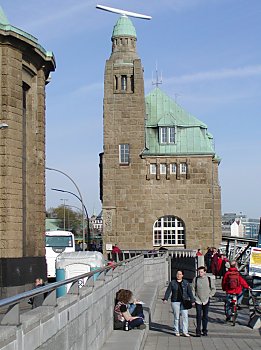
x=94 y=87
x=224 y=73
x=60 y=13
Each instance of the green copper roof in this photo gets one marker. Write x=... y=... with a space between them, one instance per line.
x=7 y=27
x=3 y=18
x=191 y=135
x=124 y=27
x=52 y=224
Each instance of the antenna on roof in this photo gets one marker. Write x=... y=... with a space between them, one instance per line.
x=122 y=12
x=158 y=81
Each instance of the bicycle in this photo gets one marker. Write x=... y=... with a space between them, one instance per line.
x=255 y=302
x=232 y=308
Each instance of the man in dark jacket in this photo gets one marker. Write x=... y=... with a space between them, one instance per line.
x=180 y=290
x=233 y=283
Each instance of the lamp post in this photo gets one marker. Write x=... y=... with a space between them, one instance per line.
x=64 y=200
x=80 y=198
x=85 y=210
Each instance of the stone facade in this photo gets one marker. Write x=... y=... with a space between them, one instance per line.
x=133 y=198
x=24 y=68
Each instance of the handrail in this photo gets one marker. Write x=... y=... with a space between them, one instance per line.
x=52 y=286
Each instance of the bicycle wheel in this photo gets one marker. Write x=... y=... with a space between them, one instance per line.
x=234 y=315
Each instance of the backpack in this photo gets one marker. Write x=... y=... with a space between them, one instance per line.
x=233 y=280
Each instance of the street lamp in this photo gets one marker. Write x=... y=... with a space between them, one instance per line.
x=80 y=198
x=85 y=210
x=64 y=200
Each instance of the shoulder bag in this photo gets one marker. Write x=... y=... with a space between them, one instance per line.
x=187 y=303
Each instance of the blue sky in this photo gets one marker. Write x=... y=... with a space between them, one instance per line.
x=209 y=52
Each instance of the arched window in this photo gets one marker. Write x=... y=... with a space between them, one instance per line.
x=169 y=231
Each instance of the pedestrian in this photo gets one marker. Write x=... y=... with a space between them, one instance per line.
x=233 y=283
x=116 y=253
x=38 y=299
x=111 y=263
x=207 y=258
x=123 y=318
x=180 y=292
x=222 y=265
x=214 y=262
x=203 y=288
x=199 y=253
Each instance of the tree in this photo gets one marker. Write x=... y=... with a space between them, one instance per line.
x=72 y=220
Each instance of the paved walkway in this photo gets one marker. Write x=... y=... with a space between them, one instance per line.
x=221 y=335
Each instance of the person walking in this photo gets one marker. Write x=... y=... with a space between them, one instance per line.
x=203 y=288
x=38 y=299
x=214 y=262
x=233 y=283
x=207 y=258
x=180 y=291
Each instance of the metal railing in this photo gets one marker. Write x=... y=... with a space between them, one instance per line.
x=127 y=254
x=12 y=316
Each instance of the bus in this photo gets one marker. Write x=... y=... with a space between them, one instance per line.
x=57 y=242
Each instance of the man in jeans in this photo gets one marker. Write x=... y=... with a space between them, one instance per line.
x=203 y=288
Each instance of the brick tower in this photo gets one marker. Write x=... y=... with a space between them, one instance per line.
x=159 y=170
x=25 y=68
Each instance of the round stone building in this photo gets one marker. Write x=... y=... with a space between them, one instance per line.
x=25 y=67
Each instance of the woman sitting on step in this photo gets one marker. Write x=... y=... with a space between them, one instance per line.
x=126 y=316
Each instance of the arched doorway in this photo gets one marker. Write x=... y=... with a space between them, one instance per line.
x=169 y=231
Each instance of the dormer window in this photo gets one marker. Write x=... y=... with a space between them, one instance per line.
x=167 y=135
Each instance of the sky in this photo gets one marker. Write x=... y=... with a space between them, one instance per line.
x=209 y=53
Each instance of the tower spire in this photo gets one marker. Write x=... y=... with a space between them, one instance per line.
x=3 y=18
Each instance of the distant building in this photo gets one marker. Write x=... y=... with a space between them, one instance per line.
x=52 y=224
x=159 y=170
x=96 y=222
x=239 y=225
x=96 y=228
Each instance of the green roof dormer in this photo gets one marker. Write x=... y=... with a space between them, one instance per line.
x=124 y=27
x=189 y=136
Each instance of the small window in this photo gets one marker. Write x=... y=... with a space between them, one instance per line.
x=124 y=153
x=163 y=135
x=183 y=168
x=132 y=83
x=116 y=83
x=173 y=168
x=124 y=82
x=163 y=168
x=171 y=135
x=153 y=169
